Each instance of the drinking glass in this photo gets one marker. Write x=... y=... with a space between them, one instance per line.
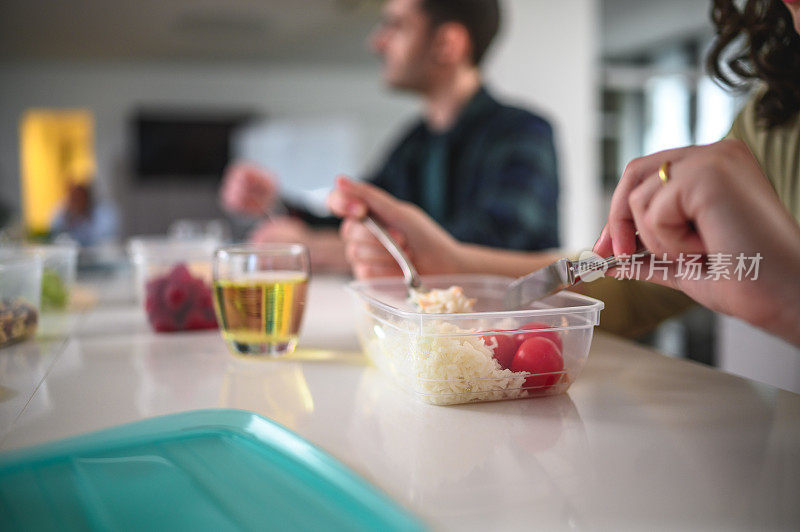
x=259 y=296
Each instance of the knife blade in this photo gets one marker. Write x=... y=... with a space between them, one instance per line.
x=559 y=275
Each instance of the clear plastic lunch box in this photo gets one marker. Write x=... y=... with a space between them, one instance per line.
x=160 y=262
x=59 y=274
x=445 y=359
x=20 y=294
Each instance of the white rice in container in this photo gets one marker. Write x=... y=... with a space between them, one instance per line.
x=444 y=364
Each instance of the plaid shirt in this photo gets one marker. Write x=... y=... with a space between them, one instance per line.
x=492 y=179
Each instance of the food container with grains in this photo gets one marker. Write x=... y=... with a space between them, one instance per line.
x=20 y=291
x=173 y=281
x=484 y=354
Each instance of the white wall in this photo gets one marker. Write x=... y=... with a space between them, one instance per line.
x=548 y=59
x=545 y=59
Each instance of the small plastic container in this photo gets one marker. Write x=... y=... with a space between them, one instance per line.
x=20 y=292
x=173 y=281
x=59 y=271
x=448 y=359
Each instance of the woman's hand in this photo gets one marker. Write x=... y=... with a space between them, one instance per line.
x=716 y=201
x=430 y=248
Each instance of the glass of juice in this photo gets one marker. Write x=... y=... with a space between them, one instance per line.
x=259 y=296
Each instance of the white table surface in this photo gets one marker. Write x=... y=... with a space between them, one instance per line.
x=639 y=441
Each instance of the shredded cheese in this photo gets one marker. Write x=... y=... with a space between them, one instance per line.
x=447 y=301
x=444 y=365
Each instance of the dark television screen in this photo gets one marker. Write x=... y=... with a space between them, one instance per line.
x=183 y=145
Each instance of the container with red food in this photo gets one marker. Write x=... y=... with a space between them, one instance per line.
x=173 y=282
x=486 y=354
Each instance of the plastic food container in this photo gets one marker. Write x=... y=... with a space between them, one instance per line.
x=20 y=291
x=173 y=282
x=59 y=270
x=59 y=267
x=448 y=359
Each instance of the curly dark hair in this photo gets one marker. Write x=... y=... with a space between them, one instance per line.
x=769 y=51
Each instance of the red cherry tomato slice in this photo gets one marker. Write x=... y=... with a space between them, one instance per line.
x=504 y=347
x=542 y=357
x=553 y=336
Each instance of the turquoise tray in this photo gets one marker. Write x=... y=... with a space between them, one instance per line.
x=201 y=470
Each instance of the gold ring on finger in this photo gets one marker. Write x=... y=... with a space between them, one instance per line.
x=663 y=172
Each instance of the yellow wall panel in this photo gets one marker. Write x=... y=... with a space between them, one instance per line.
x=56 y=149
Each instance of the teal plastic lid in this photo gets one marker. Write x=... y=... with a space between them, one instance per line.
x=201 y=470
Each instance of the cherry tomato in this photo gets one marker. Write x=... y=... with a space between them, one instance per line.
x=504 y=347
x=535 y=325
x=539 y=355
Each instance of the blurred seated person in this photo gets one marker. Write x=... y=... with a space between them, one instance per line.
x=85 y=219
x=484 y=170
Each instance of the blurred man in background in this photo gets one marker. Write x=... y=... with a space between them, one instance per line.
x=485 y=171
x=84 y=218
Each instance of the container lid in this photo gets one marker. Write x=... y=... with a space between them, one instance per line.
x=201 y=470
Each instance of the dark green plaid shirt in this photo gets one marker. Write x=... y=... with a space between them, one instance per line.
x=492 y=179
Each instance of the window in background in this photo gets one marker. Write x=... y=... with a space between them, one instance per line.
x=660 y=100
x=716 y=109
x=668 y=100
x=655 y=100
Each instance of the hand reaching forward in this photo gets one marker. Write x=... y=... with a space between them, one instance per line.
x=248 y=189
x=430 y=248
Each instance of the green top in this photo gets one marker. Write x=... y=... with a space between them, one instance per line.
x=633 y=308
x=777 y=150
